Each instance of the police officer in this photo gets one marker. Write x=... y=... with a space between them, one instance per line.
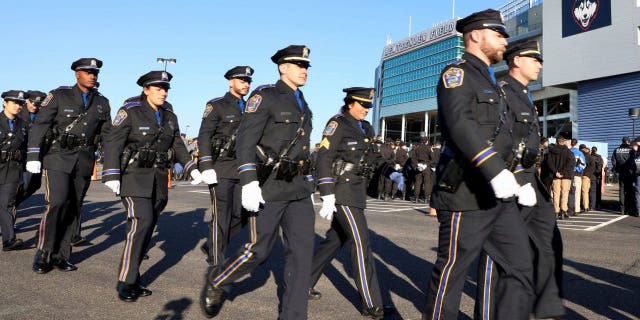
x=475 y=191
x=218 y=132
x=139 y=149
x=62 y=141
x=13 y=148
x=525 y=62
x=276 y=124
x=620 y=163
x=421 y=163
x=31 y=182
x=386 y=168
x=345 y=162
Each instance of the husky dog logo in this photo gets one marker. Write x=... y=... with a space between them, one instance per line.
x=585 y=12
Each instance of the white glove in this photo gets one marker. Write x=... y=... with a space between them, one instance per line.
x=252 y=196
x=114 y=185
x=33 y=166
x=397 y=167
x=504 y=185
x=196 y=177
x=328 y=206
x=527 y=196
x=209 y=176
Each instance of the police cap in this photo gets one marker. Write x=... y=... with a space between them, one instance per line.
x=625 y=140
x=487 y=19
x=36 y=96
x=86 y=64
x=239 y=72
x=155 y=78
x=529 y=48
x=360 y=94
x=15 y=95
x=298 y=54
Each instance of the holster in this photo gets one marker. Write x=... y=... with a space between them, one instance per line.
x=126 y=156
x=451 y=176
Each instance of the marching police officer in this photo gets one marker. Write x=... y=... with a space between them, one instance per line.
x=13 y=148
x=345 y=162
x=31 y=182
x=275 y=127
x=474 y=193
x=62 y=141
x=420 y=161
x=525 y=62
x=139 y=149
x=216 y=140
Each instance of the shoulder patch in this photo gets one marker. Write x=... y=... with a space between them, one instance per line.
x=330 y=129
x=453 y=77
x=132 y=104
x=325 y=143
x=46 y=100
x=207 y=110
x=119 y=119
x=253 y=103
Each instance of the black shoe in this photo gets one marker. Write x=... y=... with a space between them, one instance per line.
x=314 y=294
x=373 y=312
x=76 y=241
x=211 y=298
x=386 y=197
x=64 y=265
x=559 y=216
x=41 y=263
x=143 y=291
x=12 y=245
x=145 y=257
x=127 y=292
x=565 y=215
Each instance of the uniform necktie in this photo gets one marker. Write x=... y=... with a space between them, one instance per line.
x=361 y=126
x=11 y=126
x=241 y=105
x=85 y=99
x=32 y=116
x=297 y=94
x=492 y=74
x=158 y=117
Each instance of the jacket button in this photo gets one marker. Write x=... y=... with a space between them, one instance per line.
x=83 y=135
x=144 y=133
x=84 y=123
x=287 y=121
x=347 y=179
x=490 y=100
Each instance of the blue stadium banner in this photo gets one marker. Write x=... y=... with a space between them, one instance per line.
x=584 y=15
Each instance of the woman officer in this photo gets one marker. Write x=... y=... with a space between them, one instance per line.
x=346 y=160
x=13 y=148
x=139 y=148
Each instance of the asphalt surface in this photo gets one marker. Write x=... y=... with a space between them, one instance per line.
x=602 y=266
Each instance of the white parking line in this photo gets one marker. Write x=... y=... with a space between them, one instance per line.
x=606 y=223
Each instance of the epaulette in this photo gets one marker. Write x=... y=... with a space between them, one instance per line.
x=131 y=104
x=214 y=100
x=264 y=86
x=64 y=88
x=458 y=62
x=134 y=98
x=338 y=116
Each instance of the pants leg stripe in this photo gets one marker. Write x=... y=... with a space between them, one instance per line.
x=360 y=254
x=446 y=272
x=486 y=299
x=214 y=226
x=246 y=255
x=126 y=255
x=43 y=221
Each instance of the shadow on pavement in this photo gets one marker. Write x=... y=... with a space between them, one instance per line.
x=174 y=310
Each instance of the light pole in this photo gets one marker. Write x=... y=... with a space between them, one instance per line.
x=165 y=61
x=634 y=114
x=186 y=131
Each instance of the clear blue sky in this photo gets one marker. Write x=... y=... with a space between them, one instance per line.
x=40 y=39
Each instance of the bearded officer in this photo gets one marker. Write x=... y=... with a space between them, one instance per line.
x=277 y=123
x=216 y=140
x=474 y=194
x=62 y=141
